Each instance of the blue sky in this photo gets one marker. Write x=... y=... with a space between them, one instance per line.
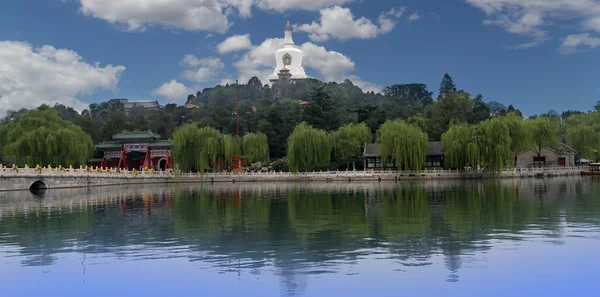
x=536 y=55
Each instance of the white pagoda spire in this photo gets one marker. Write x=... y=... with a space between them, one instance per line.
x=288 y=41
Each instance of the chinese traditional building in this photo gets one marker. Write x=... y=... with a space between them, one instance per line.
x=434 y=158
x=134 y=150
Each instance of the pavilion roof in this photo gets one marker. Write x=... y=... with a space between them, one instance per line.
x=136 y=135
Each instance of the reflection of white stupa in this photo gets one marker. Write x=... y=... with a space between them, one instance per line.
x=289 y=59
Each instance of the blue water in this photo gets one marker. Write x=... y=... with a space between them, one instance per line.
x=530 y=237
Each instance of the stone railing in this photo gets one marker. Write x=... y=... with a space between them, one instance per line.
x=81 y=171
x=555 y=170
x=97 y=171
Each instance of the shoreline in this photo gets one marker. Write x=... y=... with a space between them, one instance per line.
x=11 y=181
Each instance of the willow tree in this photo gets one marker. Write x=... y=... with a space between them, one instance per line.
x=255 y=147
x=544 y=133
x=232 y=145
x=520 y=135
x=584 y=139
x=494 y=143
x=455 y=144
x=404 y=144
x=41 y=137
x=308 y=148
x=186 y=144
x=349 y=140
x=211 y=146
x=197 y=148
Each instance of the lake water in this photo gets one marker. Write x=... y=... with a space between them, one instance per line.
x=529 y=237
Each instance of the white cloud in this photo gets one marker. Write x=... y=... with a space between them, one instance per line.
x=339 y=22
x=204 y=70
x=532 y=17
x=190 y=15
x=137 y=15
x=332 y=66
x=414 y=17
x=173 y=91
x=365 y=85
x=283 y=5
x=234 y=43
x=575 y=41
x=30 y=77
x=259 y=61
x=227 y=80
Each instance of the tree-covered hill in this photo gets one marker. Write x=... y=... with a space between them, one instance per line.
x=276 y=111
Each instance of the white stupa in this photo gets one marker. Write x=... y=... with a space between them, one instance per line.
x=289 y=59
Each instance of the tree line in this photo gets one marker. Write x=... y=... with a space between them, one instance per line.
x=294 y=117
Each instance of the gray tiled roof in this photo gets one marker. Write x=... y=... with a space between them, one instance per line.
x=434 y=148
x=372 y=150
x=568 y=149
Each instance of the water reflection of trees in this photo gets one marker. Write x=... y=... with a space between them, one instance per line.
x=297 y=229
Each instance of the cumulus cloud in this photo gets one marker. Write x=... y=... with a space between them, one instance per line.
x=332 y=66
x=191 y=15
x=234 y=43
x=201 y=70
x=576 y=41
x=137 y=15
x=339 y=22
x=30 y=77
x=283 y=5
x=532 y=17
x=173 y=91
x=259 y=61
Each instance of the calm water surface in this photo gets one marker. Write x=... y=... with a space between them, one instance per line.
x=530 y=237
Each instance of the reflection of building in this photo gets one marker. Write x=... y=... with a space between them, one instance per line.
x=289 y=60
x=134 y=150
x=434 y=159
x=563 y=156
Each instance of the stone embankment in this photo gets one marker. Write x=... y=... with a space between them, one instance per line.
x=37 y=178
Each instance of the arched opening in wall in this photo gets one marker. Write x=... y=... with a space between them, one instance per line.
x=162 y=164
x=38 y=187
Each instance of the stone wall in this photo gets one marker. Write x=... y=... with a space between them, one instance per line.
x=24 y=182
x=525 y=159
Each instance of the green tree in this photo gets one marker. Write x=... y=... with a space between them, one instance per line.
x=447 y=86
x=41 y=137
x=255 y=147
x=196 y=148
x=584 y=138
x=543 y=134
x=520 y=135
x=455 y=144
x=322 y=112
x=481 y=111
x=492 y=138
x=308 y=148
x=403 y=144
x=456 y=106
x=348 y=142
